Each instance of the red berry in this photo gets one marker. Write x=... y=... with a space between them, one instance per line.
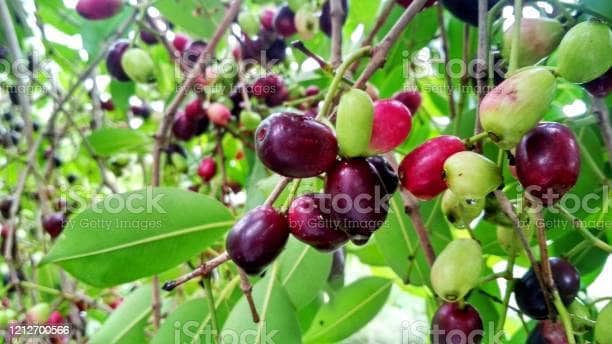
x=422 y=170
x=257 y=239
x=219 y=114
x=392 y=124
x=308 y=223
x=116 y=303
x=180 y=42
x=207 y=169
x=412 y=100
x=194 y=110
x=267 y=18
x=295 y=146
x=359 y=201
x=98 y=9
x=548 y=162
x=312 y=90
x=454 y=324
x=267 y=86
x=54 y=224
x=284 y=22
x=183 y=128
x=548 y=332
x=55 y=319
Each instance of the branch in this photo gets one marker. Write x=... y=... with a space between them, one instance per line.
x=516 y=36
x=601 y=112
x=246 y=288
x=380 y=21
x=162 y=134
x=445 y=50
x=482 y=60
x=595 y=241
x=336 y=14
x=202 y=270
x=382 y=49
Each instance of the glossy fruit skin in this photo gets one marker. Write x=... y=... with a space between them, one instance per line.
x=465 y=10
x=325 y=18
x=354 y=122
x=266 y=18
x=460 y=212
x=601 y=86
x=385 y=172
x=412 y=100
x=219 y=114
x=284 y=22
x=180 y=42
x=529 y=296
x=98 y=9
x=392 y=124
x=182 y=128
x=295 y=146
x=406 y=3
x=113 y=60
x=148 y=37
x=358 y=195
x=584 y=52
x=194 y=109
x=308 y=222
x=306 y=23
x=514 y=107
x=453 y=325
x=548 y=332
x=603 y=331
x=257 y=239
x=422 y=170
x=548 y=162
x=207 y=169
x=138 y=65
x=471 y=175
x=457 y=269
x=54 y=224
x=539 y=38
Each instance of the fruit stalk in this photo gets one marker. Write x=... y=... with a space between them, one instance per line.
x=381 y=49
x=202 y=270
x=516 y=35
x=246 y=288
x=336 y=14
x=482 y=60
x=549 y=283
x=221 y=155
x=65 y=295
x=380 y=21
x=325 y=67
x=210 y=299
x=565 y=317
x=509 y=289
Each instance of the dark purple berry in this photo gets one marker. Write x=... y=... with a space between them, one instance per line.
x=113 y=60
x=454 y=324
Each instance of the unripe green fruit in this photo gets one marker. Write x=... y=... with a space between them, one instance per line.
x=38 y=313
x=470 y=175
x=4 y=320
x=510 y=241
x=249 y=119
x=179 y=162
x=138 y=65
x=580 y=316
x=354 y=122
x=539 y=38
x=584 y=52
x=516 y=105
x=603 y=330
x=249 y=22
x=457 y=269
x=459 y=211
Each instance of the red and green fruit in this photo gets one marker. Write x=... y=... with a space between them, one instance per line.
x=454 y=323
x=584 y=52
x=391 y=126
x=548 y=162
x=539 y=38
x=516 y=105
x=295 y=146
x=266 y=18
x=470 y=175
x=98 y=9
x=354 y=122
x=219 y=114
x=457 y=269
x=603 y=330
x=138 y=65
x=422 y=170
x=412 y=100
x=309 y=223
x=38 y=314
x=207 y=169
x=461 y=212
x=548 y=332
x=257 y=239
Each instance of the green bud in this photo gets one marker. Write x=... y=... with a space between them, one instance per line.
x=354 y=122
x=459 y=211
x=457 y=269
x=585 y=52
x=539 y=38
x=470 y=175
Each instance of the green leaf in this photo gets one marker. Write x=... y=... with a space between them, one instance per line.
x=189 y=317
x=121 y=93
x=95 y=32
x=136 y=234
x=350 y=309
x=108 y=141
x=200 y=18
x=303 y=272
x=278 y=321
x=127 y=323
x=601 y=7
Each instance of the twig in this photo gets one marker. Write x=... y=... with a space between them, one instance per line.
x=595 y=241
x=445 y=50
x=247 y=289
x=336 y=13
x=68 y=296
x=221 y=155
x=162 y=134
x=278 y=189
x=600 y=110
x=380 y=21
x=516 y=36
x=325 y=67
x=481 y=61
x=202 y=270
x=546 y=271
x=381 y=50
